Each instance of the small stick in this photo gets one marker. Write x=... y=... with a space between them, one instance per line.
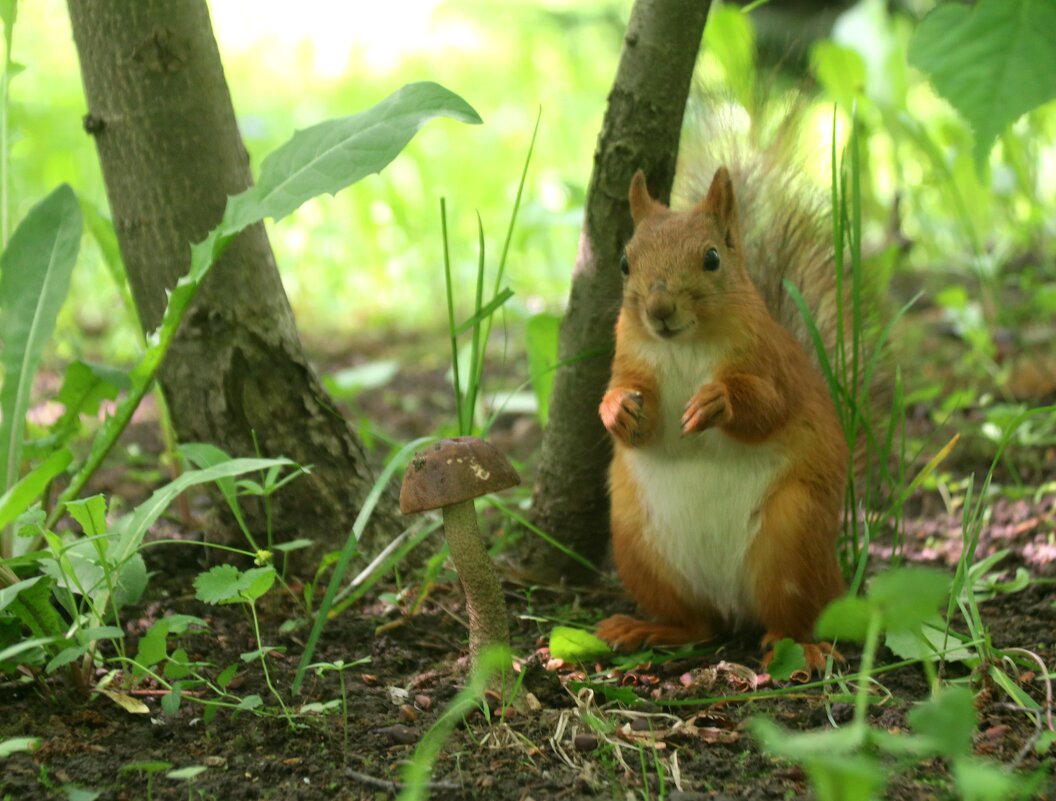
x=394 y=787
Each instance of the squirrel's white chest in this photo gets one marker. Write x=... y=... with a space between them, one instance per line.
x=702 y=494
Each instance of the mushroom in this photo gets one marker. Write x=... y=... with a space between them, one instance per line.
x=448 y=476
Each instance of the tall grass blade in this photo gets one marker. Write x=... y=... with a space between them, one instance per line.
x=348 y=551
x=34 y=281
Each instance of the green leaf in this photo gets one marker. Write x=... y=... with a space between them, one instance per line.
x=993 y=61
x=86 y=385
x=145 y=766
x=929 y=642
x=907 y=597
x=8 y=594
x=847 y=778
x=133 y=528
x=986 y=781
x=90 y=514
x=840 y=70
x=170 y=703
x=576 y=645
x=845 y=618
x=34 y=280
x=348 y=383
x=178 y=666
x=65 y=657
x=250 y=702
x=334 y=154
x=187 y=773
x=218 y=585
x=76 y=793
x=29 y=488
x=254 y=583
x=787 y=659
x=729 y=35
x=226 y=675
x=946 y=721
x=541 y=337
x=18 y=745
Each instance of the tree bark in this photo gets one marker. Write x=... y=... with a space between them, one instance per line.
x=163 y=122
x=641 y=129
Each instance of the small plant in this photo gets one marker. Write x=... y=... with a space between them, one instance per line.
x=844 y=764
x=339 y=667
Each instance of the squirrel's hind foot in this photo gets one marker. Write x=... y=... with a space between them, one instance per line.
x=626 y=633
x=815 y=653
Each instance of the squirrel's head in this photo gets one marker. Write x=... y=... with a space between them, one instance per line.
x=684 y=272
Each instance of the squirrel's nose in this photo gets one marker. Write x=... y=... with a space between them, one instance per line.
x=660 y=305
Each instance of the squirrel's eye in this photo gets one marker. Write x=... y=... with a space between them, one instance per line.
x=711 y=260
x=625 y=266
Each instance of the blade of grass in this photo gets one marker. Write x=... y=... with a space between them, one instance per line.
x=321 y=616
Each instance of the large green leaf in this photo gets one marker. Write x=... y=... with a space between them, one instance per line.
x=334 y=154
x=993 y=61
x=322 y=159
x=34 y=279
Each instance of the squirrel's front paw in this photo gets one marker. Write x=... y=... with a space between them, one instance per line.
x=623 y=415
x=708 y=408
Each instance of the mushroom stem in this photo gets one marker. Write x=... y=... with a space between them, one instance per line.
x=488 y=624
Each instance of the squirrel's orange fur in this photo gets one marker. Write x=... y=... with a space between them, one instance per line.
x=730 y=464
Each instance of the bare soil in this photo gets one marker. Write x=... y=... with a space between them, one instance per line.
x=684 y=739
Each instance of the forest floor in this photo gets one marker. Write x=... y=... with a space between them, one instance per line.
x=561 y=742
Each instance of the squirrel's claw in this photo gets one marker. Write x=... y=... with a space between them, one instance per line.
x=708 y=408
x=622 y=415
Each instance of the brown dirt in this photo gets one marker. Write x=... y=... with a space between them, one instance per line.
x=548 y=749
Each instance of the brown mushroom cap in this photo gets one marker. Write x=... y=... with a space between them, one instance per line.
x=452 y=471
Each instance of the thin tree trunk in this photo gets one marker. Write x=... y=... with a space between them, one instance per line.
x=641 y=129
x=236 y=376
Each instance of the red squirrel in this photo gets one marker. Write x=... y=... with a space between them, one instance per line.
x=729 y=463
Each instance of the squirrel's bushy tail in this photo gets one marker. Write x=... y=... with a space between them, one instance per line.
x=785 y=218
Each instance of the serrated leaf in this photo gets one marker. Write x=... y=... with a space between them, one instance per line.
x=34 y=280
x=219 y=584
x=576 y=645
x=787 y=658
x=993 y=61
x=978 y=780
x=177 y=667
x=86 y=385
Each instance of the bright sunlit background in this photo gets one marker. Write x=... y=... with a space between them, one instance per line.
x=369 y=260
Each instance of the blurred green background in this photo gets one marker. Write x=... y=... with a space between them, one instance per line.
x=369 y=261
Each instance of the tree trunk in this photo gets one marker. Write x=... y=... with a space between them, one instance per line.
x=236 y=376
x=641 y=129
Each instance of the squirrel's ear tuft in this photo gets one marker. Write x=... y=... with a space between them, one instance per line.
x=642 y=203
x=721 y=204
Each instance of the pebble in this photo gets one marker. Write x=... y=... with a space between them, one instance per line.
x=400 y=735
x=408 y=714
x=585 y=741
x=423 y=701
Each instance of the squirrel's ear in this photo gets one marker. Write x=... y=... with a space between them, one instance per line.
x=721 y=204
x=642 y=203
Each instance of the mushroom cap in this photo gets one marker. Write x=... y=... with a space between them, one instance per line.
x=452 y=471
